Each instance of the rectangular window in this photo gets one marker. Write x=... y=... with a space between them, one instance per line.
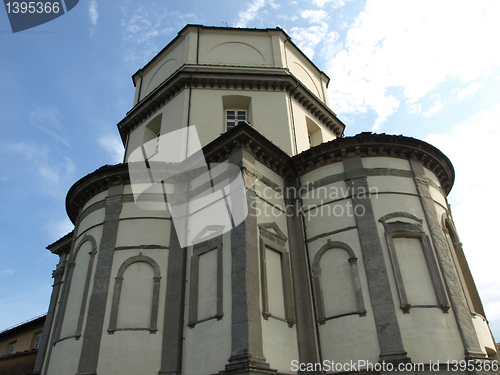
x=37 y=341
x=234 y=116
x=12 y=347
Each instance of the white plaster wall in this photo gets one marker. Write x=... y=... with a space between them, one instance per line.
x=304 y=70
x=92 y=219
x=130 y=352
x=329 y=218
x=385 y=162
x=237 y=48
x=141 y=231
x=96 y=198
x=163 y=66
x=321 y=172
x=279 y=344
x=268 y=114
x=131 y=210
x=337 y=191
x=65 y=357
x=350 y=337
x=384 y=204
x=391 y=184
x=429 y=335
x=483 y=333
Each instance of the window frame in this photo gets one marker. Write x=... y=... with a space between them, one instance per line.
x=236 y=120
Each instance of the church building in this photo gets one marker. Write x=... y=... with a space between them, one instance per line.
x=346 y=259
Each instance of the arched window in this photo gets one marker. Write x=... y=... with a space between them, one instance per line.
x=136 y=275
x=77 y=287
x=336 y=282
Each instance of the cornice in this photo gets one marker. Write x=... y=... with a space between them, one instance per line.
x=368 y=144
x=223 y=78
x=93 y=184
x=267 y=153
x=62 y=245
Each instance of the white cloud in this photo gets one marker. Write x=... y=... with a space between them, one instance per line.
x=335 y=3
x=48 y=173
x=435 y=109
x=307 y=38
x=146 y=28
x=48 y=119
x=112 y=145
x=472 y=148
x=470 y=90
x=414 y=47
x=93 y=15
x=249 y=14
x=313 y=15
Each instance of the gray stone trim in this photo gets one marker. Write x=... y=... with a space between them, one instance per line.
x=57 y=274
x=455 y=246
x=198 y=250
x=153 y=325
x=173 y=320
x=306 y=326
x=273 y=80
x=458 y=302
x=384 y=312
x=272 y=237
x=246 y=320
x=97 y=305
x=316 y=273
x=370 y=145
x=141 y=247
x=145 y=218
x=402 y=229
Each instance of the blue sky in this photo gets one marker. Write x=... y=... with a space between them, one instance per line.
x=425 y=69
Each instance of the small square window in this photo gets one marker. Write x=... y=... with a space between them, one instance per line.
x=234 y=116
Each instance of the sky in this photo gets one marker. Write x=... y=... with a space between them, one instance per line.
x=424 y=69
